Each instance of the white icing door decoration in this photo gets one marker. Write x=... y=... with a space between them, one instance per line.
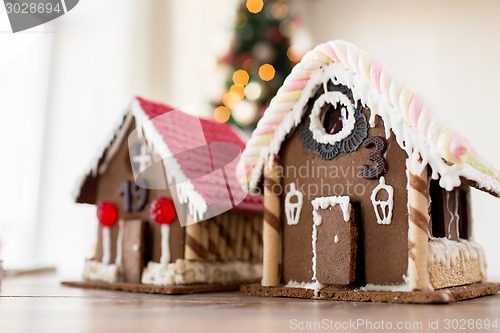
x=293 y=209
x=383 y=208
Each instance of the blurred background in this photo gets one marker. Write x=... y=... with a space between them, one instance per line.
x=63 y=84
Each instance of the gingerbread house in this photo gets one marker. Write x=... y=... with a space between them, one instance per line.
x=366 y=192
x=173 y=218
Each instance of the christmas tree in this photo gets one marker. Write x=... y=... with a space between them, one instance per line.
x=258 y=61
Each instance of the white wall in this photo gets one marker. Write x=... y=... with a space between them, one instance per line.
x=445 y=50
x=24 y=68
x=104 y=52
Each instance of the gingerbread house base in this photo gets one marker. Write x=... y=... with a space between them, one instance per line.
x=151 y=289
x=443 y=296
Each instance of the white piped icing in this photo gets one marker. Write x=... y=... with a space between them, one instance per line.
x=348 y=119
x=386 y=206
x=446 y=252
x=326 y=202
x=452 y=216
x=159 y=274
x=98 y=271
x=336 y=239
x=456 y=213
x=189 y=272
x=316 y=286
x=165 y=240
x=293 y=209
x=389 y=287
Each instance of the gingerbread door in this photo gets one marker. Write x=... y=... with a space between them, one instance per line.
x=133 y=250
x=336 y=244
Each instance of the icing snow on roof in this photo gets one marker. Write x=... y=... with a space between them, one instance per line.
x=200 y=156
x=426 y=139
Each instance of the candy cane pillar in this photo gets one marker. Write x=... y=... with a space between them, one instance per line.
x=271 y=228
x=418 y=206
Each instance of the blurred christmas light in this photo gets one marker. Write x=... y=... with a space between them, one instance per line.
x=237 y=92
x=244 y=113
x=241 y=77
x=294 y=54
x=279 y=11
x=302 y=41
x=228 y=100
x=254 y=6
x=287 y=28
x=253 y=91
x=250 y=65
x=266 y=72
x=264 y=52
x=258 y=40
x=221 y=114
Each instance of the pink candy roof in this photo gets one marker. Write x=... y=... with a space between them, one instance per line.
x=200 y=156
x=200 y=153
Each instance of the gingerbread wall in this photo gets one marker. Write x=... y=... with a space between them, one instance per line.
x=383 y=249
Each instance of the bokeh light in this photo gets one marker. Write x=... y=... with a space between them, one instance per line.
x=221 y=114
x=228 y=100
x=266 y=72
x=250 y=65
x=245 y=113
x=279 y=10
x=237 y=92
x=241 y=77
x=253 y=91
x=255 y=6
x=294 y=54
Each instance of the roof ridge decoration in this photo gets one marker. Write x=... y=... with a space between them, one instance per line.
x=425 y=139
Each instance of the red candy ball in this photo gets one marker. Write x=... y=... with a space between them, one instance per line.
x=107 y=214
x=162 y=210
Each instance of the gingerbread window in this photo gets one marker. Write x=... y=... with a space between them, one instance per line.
x=450 y=214
x=335 y=124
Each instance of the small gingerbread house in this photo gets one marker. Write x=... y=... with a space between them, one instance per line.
x=365 y=191
x=158 y=158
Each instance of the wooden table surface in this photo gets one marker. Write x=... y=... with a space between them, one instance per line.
x=40 y=304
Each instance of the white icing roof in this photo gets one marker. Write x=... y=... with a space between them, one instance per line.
x=425 y=139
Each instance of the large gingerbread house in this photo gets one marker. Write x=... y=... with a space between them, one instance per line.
x=154 y=157
x=366 y=192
